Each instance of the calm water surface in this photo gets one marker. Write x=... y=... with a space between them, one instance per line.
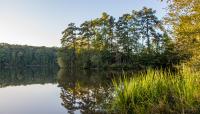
x=50 y=91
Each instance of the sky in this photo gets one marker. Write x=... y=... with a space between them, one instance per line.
x=40 y=22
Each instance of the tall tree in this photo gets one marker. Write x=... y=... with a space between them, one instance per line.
x=69 y=40
x=107 y=42
x=87 y=32
x=184 y=17
x=149 y=25
x=122 y=33
x=106 y=23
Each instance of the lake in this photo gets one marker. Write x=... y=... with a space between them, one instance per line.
x=54 y=91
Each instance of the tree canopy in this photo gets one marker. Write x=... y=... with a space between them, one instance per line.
x=134 y=40
x=17 y=55
x=184 y=17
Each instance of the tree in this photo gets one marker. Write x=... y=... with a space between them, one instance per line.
x=149 y=25
x=86 y=33
x=69 y=40
x=185 y=22
x=22 y=56
x=104 y=42
x=106 y=24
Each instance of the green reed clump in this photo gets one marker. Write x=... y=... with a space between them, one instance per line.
x=158 y=91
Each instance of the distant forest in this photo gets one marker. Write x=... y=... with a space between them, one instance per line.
x=23 y=56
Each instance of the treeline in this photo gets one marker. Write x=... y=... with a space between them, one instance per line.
x=134 y=40
x=17 y=55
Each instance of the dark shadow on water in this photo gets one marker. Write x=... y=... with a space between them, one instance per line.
x=87 y=91
x=27 y=76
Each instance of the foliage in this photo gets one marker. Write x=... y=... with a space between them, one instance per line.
x=16 y=55
x=135 y=40
x=184 y=17
x=158 y=92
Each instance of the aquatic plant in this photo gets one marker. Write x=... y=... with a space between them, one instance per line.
x=158 y=91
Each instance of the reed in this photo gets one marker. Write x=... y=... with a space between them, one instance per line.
x=158 y=91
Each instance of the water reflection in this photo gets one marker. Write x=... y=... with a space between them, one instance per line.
x=30 y=91
x=89 y=92
x=27 y=76
x=67 y=91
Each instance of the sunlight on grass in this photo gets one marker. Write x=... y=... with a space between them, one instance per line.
x=158 y=92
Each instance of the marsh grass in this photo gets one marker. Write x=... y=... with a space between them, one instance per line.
x=158 y=91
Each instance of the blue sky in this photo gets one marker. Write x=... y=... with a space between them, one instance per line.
x=40 y=22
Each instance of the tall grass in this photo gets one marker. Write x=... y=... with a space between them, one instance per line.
x=160 y=92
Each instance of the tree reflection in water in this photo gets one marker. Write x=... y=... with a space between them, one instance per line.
x=27 y=76
x=85 y=91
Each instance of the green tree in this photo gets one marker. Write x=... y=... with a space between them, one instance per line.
x=22 y=56
x=149 y=25
x=69 y=40
x=185 y=21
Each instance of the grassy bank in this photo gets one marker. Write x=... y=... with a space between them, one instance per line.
x=158 y=92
